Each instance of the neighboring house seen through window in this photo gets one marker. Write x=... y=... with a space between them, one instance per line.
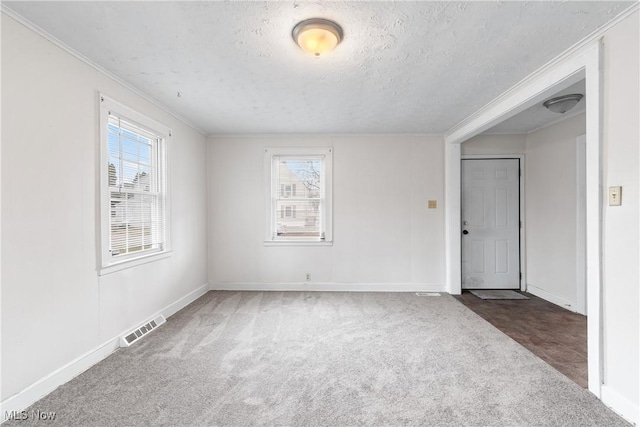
x=134 y=185
x=299 y=195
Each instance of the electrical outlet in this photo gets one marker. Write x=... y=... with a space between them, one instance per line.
x=308 y=277
x=433 y=204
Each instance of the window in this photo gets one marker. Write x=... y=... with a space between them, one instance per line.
x=298 y=195
x=134 y=197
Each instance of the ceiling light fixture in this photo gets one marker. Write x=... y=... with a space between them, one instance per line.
x=317 y=35
x=564 y=103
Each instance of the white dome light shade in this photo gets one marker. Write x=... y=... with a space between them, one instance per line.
x=317 y=36
x=562 y=104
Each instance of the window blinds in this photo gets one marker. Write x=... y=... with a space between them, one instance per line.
x=136 y=187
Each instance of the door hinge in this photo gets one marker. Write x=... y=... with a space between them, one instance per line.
x=520 y=276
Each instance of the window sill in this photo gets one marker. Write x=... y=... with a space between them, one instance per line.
x=133 y=262
x=297 y=243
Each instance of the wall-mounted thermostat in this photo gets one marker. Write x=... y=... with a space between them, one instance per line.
x=615 y=196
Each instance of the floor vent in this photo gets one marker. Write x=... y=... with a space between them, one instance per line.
x=136 y=334
x=428 y=294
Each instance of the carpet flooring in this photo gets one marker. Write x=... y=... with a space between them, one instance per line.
x=324 y=359
x=553 y=333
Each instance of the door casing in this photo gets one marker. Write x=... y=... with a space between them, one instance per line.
x=523 y=246
x=583 y=61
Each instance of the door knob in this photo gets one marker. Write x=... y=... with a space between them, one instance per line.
x=465 y=232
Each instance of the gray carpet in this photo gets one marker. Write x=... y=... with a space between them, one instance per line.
x=332 y=359
x=498 y=294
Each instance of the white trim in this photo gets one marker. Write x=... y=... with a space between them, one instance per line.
x=106 y=106
x=143 y=120
x=559 y=73
x=1 y=240
x=133 y=262
x=594 y=208
x=453 y=206
x=581 y=225
x=297 y=243
x=535 y=91
x=288 y=136
x=523 y=223
x=66 y=373
x=577 y=48
x=52 y=39
x=489 y=132
x=552 y=298
x=328 y=287
x=620 y=405
x=175 y=307
x=326 y=188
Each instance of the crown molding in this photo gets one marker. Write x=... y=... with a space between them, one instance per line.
x=41 y=32
x=576 y=48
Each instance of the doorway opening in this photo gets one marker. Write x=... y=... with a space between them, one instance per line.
x=564 y=73
x=550 y=322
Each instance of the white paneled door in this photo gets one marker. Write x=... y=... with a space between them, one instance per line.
x=491 y=224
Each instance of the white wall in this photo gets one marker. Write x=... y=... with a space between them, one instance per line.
x=495 y=144
x=55 y=307
x=384 y=235
x=383 y=231
x=620 y=228
x=621 y=237
x=550 y=200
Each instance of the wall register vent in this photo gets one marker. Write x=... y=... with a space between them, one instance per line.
x=428 y=294
x=133 y=336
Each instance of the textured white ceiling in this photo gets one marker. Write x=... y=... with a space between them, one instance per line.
x=538 y=116
x=403 y=67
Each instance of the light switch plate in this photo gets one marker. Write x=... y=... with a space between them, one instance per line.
x=615 y=196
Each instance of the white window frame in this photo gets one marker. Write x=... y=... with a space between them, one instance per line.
x=326 y=201
x=110 y=264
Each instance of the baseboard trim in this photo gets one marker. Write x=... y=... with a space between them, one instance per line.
x=66 y=373
x=329 y=287
x=172 y=309
x=553 y=298
x=620 y=405
x=47 y=384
